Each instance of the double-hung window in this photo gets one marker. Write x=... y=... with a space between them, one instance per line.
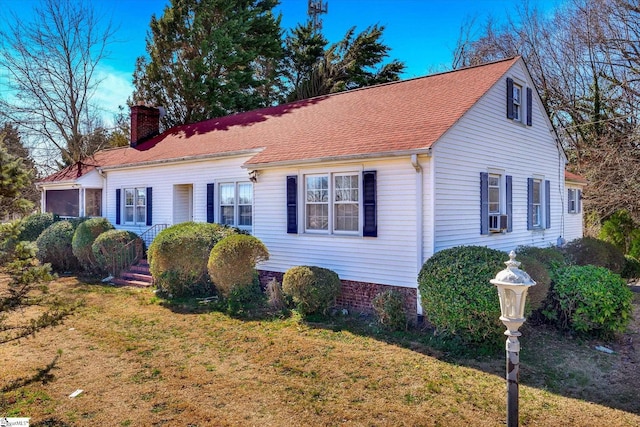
x=494 y=194
x=495 y=202
x=573 y=200
x=135 y=206
x=517 y=102
x=332 y=203
x=538 y=203
x=236 y=204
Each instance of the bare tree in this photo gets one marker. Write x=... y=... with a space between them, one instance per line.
x=51 y=64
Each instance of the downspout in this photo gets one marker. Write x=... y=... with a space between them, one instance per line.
x=419 y=223
x=105 y=193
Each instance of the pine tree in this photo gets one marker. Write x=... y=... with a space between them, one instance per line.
x=356 y=61
x=210 y=58
x=15 y=179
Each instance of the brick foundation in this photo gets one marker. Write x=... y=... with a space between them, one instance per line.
x=357 y=296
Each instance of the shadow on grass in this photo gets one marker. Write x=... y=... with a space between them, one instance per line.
x=42 y=375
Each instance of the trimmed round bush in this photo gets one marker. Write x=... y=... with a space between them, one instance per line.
x=551 y=257
x=590 y=300
x=590 y=251
x=83 y=239
x=35 y=224
x=233 y=260
x=313 y=289
x=457 y=297
x=389 y=309
x=54 y=246
x=108 y=251
x=178 y=257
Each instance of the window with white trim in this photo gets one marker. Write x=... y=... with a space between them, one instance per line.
x=93 y=202
x=332 y=203
x=517 y=102
x=236 y=205
x=536 y=211
x=573 y=200
x=494 y=194
x=135 y=206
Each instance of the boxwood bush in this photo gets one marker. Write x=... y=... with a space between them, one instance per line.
x=178 y=257
x=590 y=251
x=232 y=262
x=313 y=289
x=457 y=297
x=536 y=295
x=54 y=246
x=35 y=224
x=551 y=257
x=590 y=300
x=83 y=239
x=112 y=242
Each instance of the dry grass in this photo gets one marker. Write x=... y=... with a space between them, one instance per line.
x=140 y=363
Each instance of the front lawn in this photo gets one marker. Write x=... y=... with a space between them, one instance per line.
x=140 y=362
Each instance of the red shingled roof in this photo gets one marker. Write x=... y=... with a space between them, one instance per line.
x=409 y=115
x=568 y=176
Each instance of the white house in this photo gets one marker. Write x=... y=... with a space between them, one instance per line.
x=369 y=183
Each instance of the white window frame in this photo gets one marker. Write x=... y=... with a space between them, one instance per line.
x=496 y=187
x=137 y=219
x=572 y=201
x=329 y=225
x=517 y=102
x=86 y=200
x=537 y=207
x=235 y=204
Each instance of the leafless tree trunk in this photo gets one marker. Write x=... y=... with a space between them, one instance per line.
x=51 y=64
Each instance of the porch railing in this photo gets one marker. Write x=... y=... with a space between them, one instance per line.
x=128 y=255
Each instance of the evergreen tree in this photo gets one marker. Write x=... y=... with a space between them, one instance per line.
x=13 y=144
x=210 y=58
x=15 y=179
x=356 y=61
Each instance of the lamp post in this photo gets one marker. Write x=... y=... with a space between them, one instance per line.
x=512 y=284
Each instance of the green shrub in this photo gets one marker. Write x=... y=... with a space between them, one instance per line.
x=313 y=289
x=242 y=300
x=83 y=238
x=457 y=297
x=551 y=257
x=590 y=251
x=54 y=246
x=634 y=248
x=178 y=257
x=35 y=224
x=631 y=268
x=536 y=295
x=389 y=309
x=232 y=261
x=619 y=230
x=108 y=251
x=590 y=300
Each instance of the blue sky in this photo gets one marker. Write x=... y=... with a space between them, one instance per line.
x=421 y=33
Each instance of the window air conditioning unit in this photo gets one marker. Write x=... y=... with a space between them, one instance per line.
x=498 y=223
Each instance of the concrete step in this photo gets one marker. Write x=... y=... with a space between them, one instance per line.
x=138 y=276
x=130 y=275
x=134 y=283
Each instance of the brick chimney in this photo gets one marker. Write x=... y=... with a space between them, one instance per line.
x=145 y=123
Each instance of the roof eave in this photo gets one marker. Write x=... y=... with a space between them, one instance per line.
x=332 y=159
x=201 y=157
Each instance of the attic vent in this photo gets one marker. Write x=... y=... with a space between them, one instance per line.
x=498 y=223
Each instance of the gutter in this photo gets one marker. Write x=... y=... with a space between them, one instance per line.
x=201 y=157
x=352 y=157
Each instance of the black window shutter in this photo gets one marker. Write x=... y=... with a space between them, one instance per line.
x=529 y=203
x=118 y=209
x=509 y=189
x=547 y=203
x=149 y=206
x=210 y=207
x=292 y=204
x=484 y=203
x=579 y=201
x=529 y=106
x=370 y=227
x=509 y=98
